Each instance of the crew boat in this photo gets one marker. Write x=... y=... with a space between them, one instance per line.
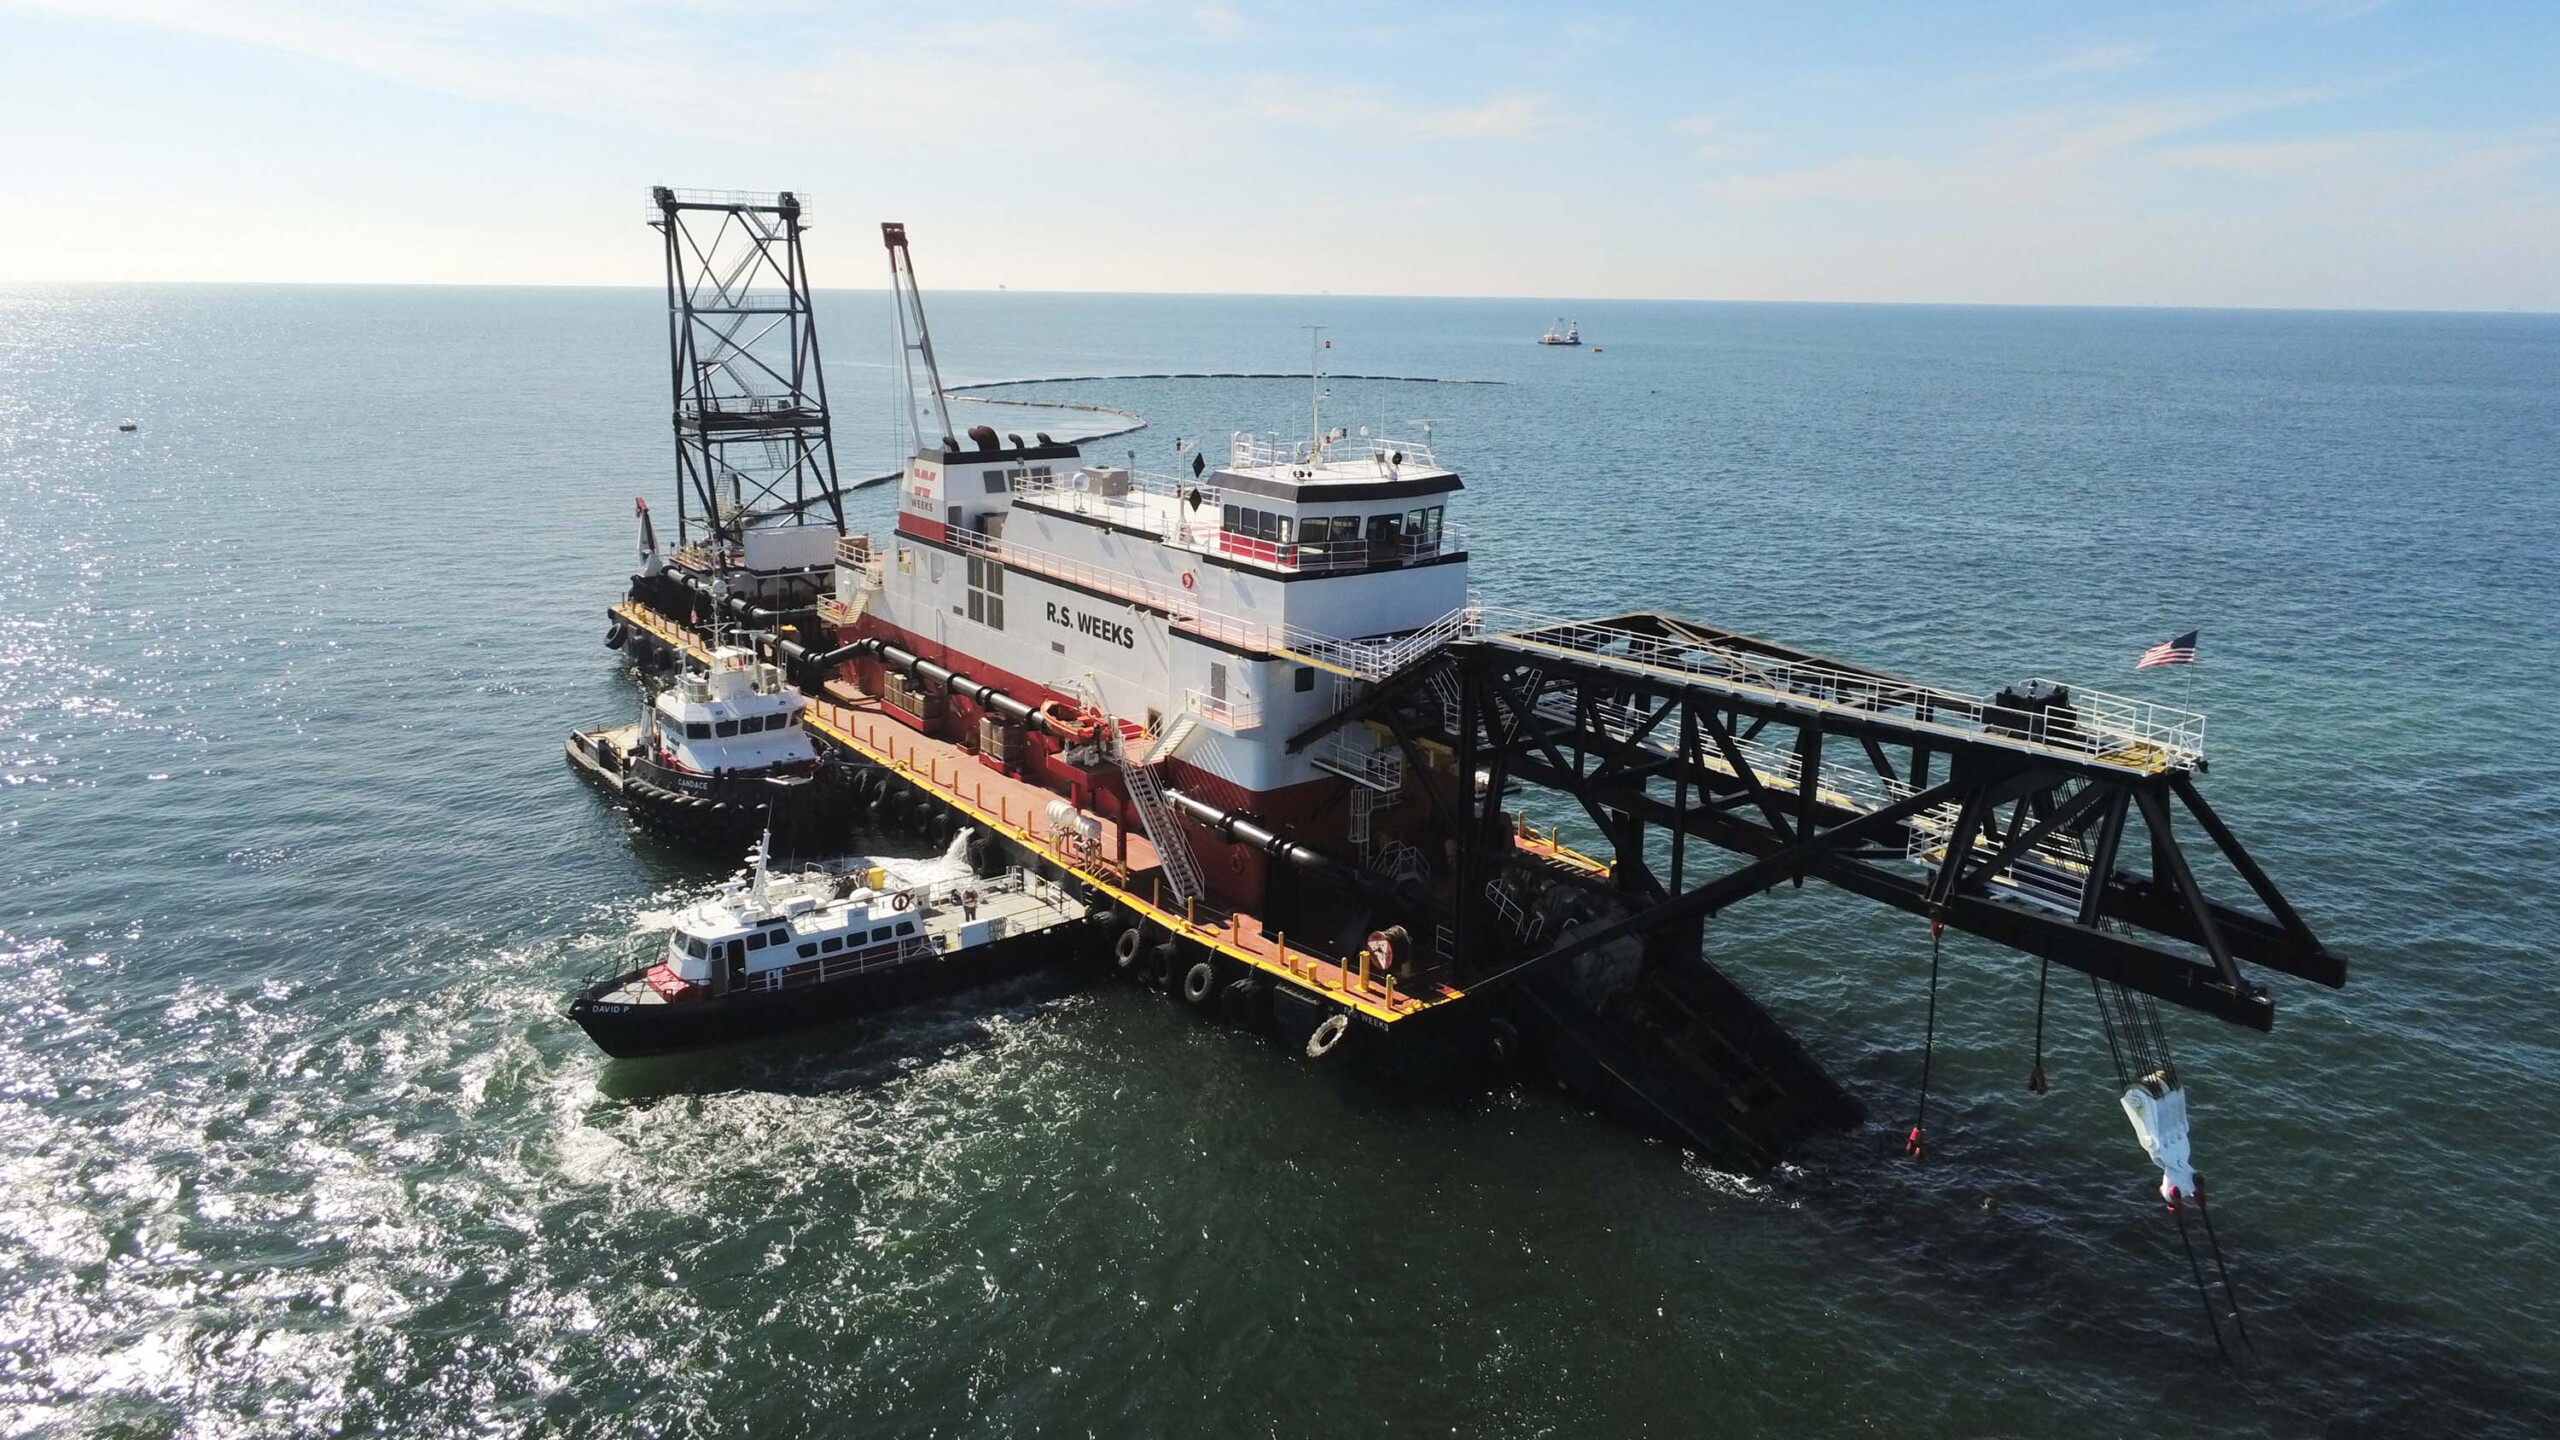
x=1563 y=332
x=715 y=756
x=773 y=953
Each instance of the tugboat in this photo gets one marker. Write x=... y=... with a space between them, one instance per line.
x=770 y=954
x=1563 y=332
x=715 y=756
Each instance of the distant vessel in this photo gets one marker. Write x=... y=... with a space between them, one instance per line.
x=770 y=954
x=1563 y=332
x=128 y=426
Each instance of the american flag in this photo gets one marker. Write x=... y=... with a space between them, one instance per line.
x=2181 y=651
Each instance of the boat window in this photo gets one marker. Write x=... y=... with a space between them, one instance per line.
x=1384 y=528
x=783 y=722
x=1431 y=526
x=697 y=949
x=986 y=592
x=697 y=730
x=883 y=933
x=724 y=729
x=997 y=483
x=750 y=724
x=906 y=927
x=833 y=944
x=1306 y=678
x=808 y=949
x=756 y=941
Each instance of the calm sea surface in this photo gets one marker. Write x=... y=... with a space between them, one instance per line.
x=293 y=881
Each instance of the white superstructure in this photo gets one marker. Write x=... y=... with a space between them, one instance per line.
x=1218 y=598
x=736 y=715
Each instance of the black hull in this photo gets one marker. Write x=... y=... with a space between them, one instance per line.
x=627 y=1031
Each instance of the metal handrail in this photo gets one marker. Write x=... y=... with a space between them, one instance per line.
x=2114 y=729
x=1270 y=451
x=1233 y=716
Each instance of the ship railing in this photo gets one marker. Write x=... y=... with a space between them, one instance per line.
x=1273 y=452
x=710 y=297
x=838 y=967
x=1232 y=716
x=2115 y=729
x=1156 y=503
x=1377 y=657
x=1324 y=556
x=1119 y=584
x=766 y=199
x=1370 y=659
x=744 y=404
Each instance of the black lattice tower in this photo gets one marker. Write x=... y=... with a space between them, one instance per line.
x=753 y=439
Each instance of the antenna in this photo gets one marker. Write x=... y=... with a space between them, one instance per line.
x=1315 y=389
x=924 y=402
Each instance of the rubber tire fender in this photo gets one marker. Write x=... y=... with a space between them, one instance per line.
x=1163 y=971
x=1243 y=1001
x=1200 y=983
x=1328 y=1036
x=1126 y=949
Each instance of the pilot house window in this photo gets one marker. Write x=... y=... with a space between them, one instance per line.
x=986 y=592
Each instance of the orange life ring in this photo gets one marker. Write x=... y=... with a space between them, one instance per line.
x=898 y=901
x=1189 y=580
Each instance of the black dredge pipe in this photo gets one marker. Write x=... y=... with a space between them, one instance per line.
x=816 y=663
x=1228 y=825
x=735 y=606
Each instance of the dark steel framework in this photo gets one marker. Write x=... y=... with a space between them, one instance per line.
x=1659 y=754
x=753 y=440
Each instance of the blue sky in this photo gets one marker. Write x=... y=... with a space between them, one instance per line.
x=2253 y=152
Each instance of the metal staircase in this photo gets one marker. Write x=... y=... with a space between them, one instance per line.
x=1170 y=739
x=1164 y=828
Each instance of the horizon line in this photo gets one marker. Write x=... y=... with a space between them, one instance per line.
x=2516 y=310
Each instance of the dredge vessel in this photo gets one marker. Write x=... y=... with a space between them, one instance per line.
x=1255 y=718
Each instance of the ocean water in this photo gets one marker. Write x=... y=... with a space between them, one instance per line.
x=293 y=883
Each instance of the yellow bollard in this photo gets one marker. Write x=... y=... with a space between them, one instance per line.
x=1364 y=969
x=1191 y=912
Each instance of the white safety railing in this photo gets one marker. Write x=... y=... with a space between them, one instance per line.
x=2114 y=729
x=1360 y=762
x=1273 y=452
x=837 y=967
x=1232 y=716
x=1371 y=659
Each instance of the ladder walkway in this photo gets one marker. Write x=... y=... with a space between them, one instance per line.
x=2112 y=730
x=1181 y=868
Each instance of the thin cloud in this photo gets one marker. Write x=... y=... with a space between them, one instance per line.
x=1504 y=117
x=2024 y=155
x=2092 y=59
x=1509 y=117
